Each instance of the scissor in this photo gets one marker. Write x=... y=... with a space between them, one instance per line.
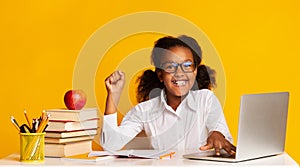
x=25 y=129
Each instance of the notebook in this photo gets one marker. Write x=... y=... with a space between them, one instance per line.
x=261 y=131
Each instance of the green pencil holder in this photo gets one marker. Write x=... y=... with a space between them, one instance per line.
x=32 y=147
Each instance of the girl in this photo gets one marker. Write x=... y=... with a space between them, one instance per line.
x=180 y=116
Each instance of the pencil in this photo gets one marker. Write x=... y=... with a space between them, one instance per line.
x=43 y=124
x=29 y=124
x=169 y=155
x=43 y=114
x=14 y=122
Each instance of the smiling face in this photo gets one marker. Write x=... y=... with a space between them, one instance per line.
x=177 y=82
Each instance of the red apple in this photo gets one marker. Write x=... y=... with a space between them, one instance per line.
x=75 y=99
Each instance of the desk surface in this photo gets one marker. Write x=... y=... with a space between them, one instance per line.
x=279 y=160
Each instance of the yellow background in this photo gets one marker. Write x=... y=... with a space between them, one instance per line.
x=40 y=40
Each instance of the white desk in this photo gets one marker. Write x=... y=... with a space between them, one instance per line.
x=279 y=160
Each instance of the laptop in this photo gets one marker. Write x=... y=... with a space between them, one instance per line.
x=261 y=131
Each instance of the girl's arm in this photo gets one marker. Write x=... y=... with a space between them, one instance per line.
x=219 y=137
x=114 y=137
x=114 y=86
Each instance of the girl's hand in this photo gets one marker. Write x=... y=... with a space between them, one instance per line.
x=115 y=82
x=217 y=141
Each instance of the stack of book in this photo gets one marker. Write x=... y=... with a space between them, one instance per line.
x=70 y=132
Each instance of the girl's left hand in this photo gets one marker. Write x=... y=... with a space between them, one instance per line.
x=217 y=141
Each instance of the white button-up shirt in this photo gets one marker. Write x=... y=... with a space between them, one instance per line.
x=187 y=128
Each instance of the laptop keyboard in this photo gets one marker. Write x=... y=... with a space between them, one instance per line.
x=224 y=155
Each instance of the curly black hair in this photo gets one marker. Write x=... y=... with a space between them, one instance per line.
x=149 y=85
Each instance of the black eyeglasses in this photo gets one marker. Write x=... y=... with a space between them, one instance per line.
x=171 y=67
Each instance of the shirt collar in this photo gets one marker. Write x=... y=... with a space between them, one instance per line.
x=163 y=98
x=189 y=100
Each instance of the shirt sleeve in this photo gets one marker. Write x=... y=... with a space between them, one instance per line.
x=215 y=120
x=114 y=137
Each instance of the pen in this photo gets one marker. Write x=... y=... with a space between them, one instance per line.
x=37 y=122
x=15 y=123
x=14 y=120
x=33 y=126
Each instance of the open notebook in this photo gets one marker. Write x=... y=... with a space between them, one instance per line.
x=151 y=154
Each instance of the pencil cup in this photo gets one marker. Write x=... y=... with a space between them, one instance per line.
x=32 y=147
